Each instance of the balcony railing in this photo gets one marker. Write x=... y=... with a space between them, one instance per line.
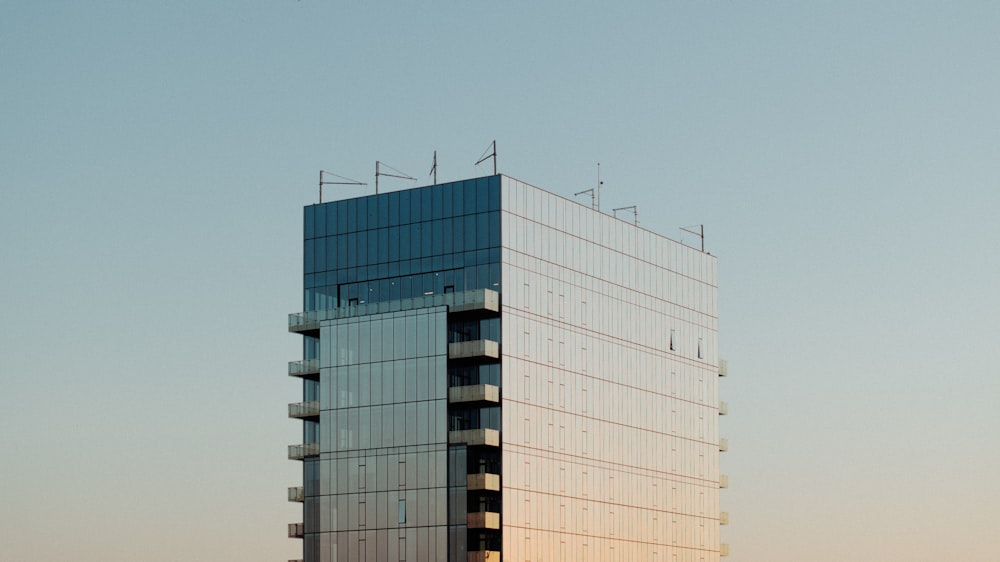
x=723 y=480
x=724 y=549
x=723 y=368
x=296 y=530
x=723 y=408
x=484 y=520
x=723 y=518
x=474 y=393
x=299 y=452
x=483 y=481
x=303 y=368
x=302 y=410
x=296 y=494
x=474 y=349
x=466 y=301
x=723 y=445
x=490 y=437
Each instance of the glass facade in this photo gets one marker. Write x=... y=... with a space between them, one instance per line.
x=577 y=420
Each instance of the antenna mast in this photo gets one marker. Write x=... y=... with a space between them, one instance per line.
x=398 y=174
x=700 y=233
x=492 y=155
x=635 y=213
x=345 y=181
x=434 y=168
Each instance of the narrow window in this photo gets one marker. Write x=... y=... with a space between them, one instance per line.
x=402 y=515
x=672 y=331
x=449 y=288
x=700 y=354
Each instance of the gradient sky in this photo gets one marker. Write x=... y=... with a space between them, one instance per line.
x=154 y=159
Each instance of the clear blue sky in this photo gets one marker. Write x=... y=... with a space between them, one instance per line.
x=154 y=159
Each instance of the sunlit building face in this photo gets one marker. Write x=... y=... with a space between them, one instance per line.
x=494 y=372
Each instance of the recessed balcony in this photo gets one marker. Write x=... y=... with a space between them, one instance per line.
x=723 y=480
x=723 y=408
x=296 y=530
x=471 y=437
x=724 y=549
x=477 y=349
x=304 y=410
x=484 y=556
x=723 y=518
x=296 y=494
x=474 y=393
x=299 y=452
x=723 y=445
x=484 y=520
x=483 y=482
x=303 y=368
x=723 y=368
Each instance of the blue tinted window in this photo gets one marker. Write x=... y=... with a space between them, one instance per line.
x=494 y=222
x=457 y=199
x=415 y=215
x=482 y=230
x=494 y=193
x=362 y=213
x=383 y=210
x=308 y=221
x=319 y=254
x=469 y=233
x=352 y=250
x=446 y=235
x=352 y=215
x=341 y=220
x=437 y=201
x=427 y=203
x=482 y=195
x=404 y=207
x=447 y=196
x=307 y=254
x=393 y=204
x=469 y=189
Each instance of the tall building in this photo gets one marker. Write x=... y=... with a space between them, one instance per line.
x=494 y=372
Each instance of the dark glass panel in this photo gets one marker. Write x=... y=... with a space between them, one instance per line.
x=427 y=203
x=352 y=215
x=494 y=222
x=307 y=255
x=482 y=195
x=458 y=197
x=341 y=218
x=447 y=199
x=309 y=214
x=469 y=234
x=437 y=201
x=495 y=202
x=482 y=231
x=383 y=210
x=469 y=190
x=319 y=254
x=393 y=203
x=392 y=252
x=404 y=207
x=362 y=213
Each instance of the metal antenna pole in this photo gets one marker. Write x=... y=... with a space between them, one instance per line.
x=434 y=167
x=591 y=192
x=599 y=183
x=635 y=213
x=345 y=181
x=700 y=233
x=398 y=174
x=492 y=155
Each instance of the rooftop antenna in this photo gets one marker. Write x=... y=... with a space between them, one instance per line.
x=493 y=155
x=344 y=181
x=599 y=184
x=434 y=168
x=700 y=233
x=635 y=213
x=379 y=172
x=595 y=193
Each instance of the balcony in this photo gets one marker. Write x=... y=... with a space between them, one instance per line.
x=723 y=518
x=478 y=349
x=483 y=482
x=304 y=410
x=474 y=393
x=479 y=300
x=484 y=556
x=724 y=549
x=299 y=452
x=723 y=480
x=304 y=368
x=296 y=530
x=723 y=368
x=304 y=322
x=484 y=520
x=723 y=408
x=296 y=494
x=723 y=445
x=471 y=437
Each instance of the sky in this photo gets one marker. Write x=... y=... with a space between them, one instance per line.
x=155 y=158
